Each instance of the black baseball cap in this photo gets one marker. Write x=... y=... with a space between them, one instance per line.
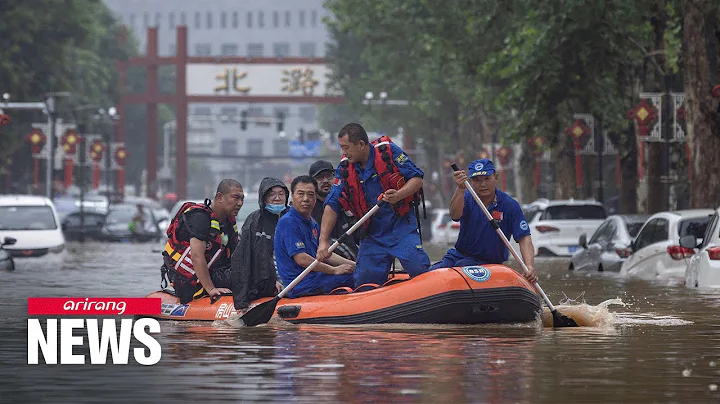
x=320 y=166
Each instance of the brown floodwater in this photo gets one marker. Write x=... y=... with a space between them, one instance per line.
x=662 y=344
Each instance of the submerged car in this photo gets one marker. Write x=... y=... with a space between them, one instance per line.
x=609 y=246
x=657 y=252
x=704 y=267
x=34 y=223
x=119 y=225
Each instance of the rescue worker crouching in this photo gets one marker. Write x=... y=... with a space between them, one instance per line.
x=208 y=227
x=254 y=274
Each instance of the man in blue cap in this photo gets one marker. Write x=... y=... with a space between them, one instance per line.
x=478 y=243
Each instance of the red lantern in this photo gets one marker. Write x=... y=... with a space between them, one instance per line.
x=96 y=150
x=70 y=141
x=36 y=139
x=120 y=156
x=537 y=143
x=577 y=130
x=680 y=114
x=644 y=114
x=716 y=91
x=5 y=119
x=483 y=154
x=504 y=155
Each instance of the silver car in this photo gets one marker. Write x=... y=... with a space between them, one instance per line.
x=609 y=246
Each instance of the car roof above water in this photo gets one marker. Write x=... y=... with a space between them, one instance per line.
x=24 y=200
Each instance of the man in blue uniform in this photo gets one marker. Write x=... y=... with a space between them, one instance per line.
x=296 y=243
x=478 y=243
x=392 y=232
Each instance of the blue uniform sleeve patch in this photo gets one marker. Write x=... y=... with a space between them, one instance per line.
x=407 y=168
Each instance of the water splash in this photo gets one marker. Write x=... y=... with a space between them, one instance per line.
x=585 y=315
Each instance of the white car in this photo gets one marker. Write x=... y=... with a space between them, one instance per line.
x=35 y=224
x=444 y=230
x=557 y=225
x=656 y=251
x=704 y=267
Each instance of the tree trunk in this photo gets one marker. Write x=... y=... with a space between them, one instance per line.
x=565 y=172
x=702 y=117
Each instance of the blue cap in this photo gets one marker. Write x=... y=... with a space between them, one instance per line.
x=481 y=167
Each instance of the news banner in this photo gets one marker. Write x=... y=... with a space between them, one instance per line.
x=80 y=331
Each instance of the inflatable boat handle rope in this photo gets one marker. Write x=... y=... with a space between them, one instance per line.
x=263 y=312
x=559 y=320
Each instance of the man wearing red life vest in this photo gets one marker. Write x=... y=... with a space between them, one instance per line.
x=366 y=171
x=209 y=229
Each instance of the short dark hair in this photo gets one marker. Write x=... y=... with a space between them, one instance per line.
x=355 y=133
x=226 y=185
x=303 y=179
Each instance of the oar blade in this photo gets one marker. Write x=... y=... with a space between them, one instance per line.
x=260 y=314
x=560 y=320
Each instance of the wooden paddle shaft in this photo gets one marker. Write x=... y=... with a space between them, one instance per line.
x=332 y=247
x=504 y=239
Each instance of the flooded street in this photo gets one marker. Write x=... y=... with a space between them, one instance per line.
x=664 y=346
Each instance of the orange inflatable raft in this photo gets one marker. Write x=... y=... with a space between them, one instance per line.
x=461 y=295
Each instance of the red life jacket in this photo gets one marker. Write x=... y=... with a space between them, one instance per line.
x=353 y=199
x=178 y=251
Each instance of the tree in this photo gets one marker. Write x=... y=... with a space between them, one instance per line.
x=701 y=33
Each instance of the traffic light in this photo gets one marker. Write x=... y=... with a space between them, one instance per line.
x=243 y=120
x=281 y=122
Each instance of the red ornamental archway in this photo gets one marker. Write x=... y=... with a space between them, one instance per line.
x=231 y=88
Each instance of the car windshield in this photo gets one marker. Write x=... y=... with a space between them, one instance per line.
x=573 y=212
x=694 y=227
x=27 y=218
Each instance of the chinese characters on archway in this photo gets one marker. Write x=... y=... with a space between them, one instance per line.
x=295 y=81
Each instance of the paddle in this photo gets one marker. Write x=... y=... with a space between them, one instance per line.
x=262 y=313
x=559 y=320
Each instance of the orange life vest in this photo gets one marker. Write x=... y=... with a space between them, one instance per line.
x=178 y=251
x=353 y=199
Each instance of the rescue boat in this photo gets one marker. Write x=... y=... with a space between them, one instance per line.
x=460 y=295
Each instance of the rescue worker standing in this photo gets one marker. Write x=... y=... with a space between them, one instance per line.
x=210 y=228
x=324 y=173
x=366 y=171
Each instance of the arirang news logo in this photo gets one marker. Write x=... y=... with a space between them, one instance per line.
x=104 y=335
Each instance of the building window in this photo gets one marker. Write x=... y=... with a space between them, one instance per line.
x=255 y=147
x=229 y=49
x=197 y=20
x=202 y=111
x=208 y=18
x=301 y=18
x=255 y=50
x=157 y=20
x=229 y=112
x=203 y=49
x=287 y=18
x=172 y=20
x=313 y=18
x=228 y=147
x=223 y=20
x=307 y=49
x=307 y=114
x=146 y=20
x=235 y=19
x=261 y=19
x=249 y=19
x=255 y=112
x=276 y=19
x=281 y=147
x=281 y=50
x=182 y=18
x=172 y=49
